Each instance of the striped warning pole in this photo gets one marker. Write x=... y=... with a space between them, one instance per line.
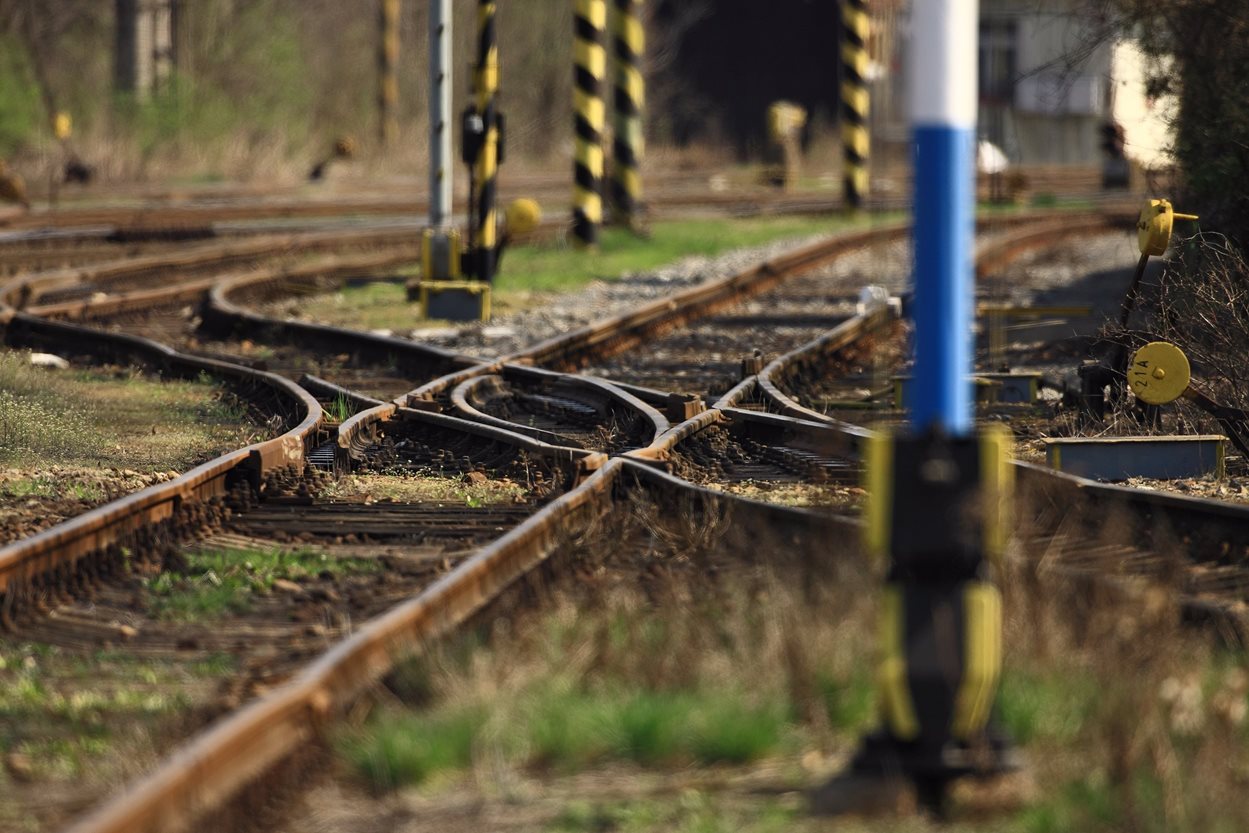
x=590 y=21
x=629 y=99
x=486 y=83
x=856 y=143
x=388 y=73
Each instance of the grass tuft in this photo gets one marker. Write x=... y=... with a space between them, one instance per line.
x=220 y=582
x=1053 y=707
x=402 y=752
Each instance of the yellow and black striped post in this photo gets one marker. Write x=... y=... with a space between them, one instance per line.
x=486 y=84
x=628 y=144
x=941 y=621
x=856 y=143
x=590 y=57
x=388 y=72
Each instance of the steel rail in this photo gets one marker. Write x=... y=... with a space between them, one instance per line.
x=29 y=561
x=23 y=290
x=206 y=772
x=154 y=219
x=224 y=312
x=212 y=768
x=599 y=393
x=1200 y=530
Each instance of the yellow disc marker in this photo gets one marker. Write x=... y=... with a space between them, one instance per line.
x=62 y=127
x=522 y=216
x=1159 y=373
x=1153 y=229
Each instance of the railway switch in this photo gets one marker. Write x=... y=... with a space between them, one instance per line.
x=1153 y=235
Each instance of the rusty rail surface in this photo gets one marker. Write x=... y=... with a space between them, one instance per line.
x=598 y=392
x=210 y=769
x=26 y=563
x=155 y=218
x=223 y=313
x=24 y=290
x=216 y=764
x=996 y=255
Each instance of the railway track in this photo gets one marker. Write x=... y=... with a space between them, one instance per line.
x=1197 y=547
x=380 y=434
x=173 y=216
x=200 y=316
x=362 y=439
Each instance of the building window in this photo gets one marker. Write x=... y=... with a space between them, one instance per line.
x=997 y=62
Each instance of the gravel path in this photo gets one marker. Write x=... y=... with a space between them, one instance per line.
x=555 y=313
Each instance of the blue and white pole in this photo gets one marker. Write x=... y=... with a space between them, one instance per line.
x=937 y=493
x=943 y=113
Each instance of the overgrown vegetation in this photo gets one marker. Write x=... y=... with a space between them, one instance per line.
x=689 y=669
x=260 y=83
x=654 y=690
x=1201 y=303
x=78 y=715
x=426 y=487
x=1198 y=47
x=215 y=583
x=94 y=418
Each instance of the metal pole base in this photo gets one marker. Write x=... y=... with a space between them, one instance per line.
x=888 y=774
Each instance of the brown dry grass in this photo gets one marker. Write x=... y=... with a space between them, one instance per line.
x=1129 y=720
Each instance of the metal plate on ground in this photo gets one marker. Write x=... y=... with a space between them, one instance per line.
x=1121 y=458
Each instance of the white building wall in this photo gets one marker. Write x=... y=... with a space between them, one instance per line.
x=1147 y=122
x=1063 y=85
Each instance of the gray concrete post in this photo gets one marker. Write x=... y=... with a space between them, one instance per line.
x=440 y=158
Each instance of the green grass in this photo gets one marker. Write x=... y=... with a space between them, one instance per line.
x=217 y=583
x=401 y=752
x=68 y=711
x=531 y=271
x=691 y=812
x=560 y=267
x=86 y=417
x=1051 y=705
x=20 y=108
x=41 y=486
x=340 y=409
x=557 y=726
x=1086 y=804
x=849 y=700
